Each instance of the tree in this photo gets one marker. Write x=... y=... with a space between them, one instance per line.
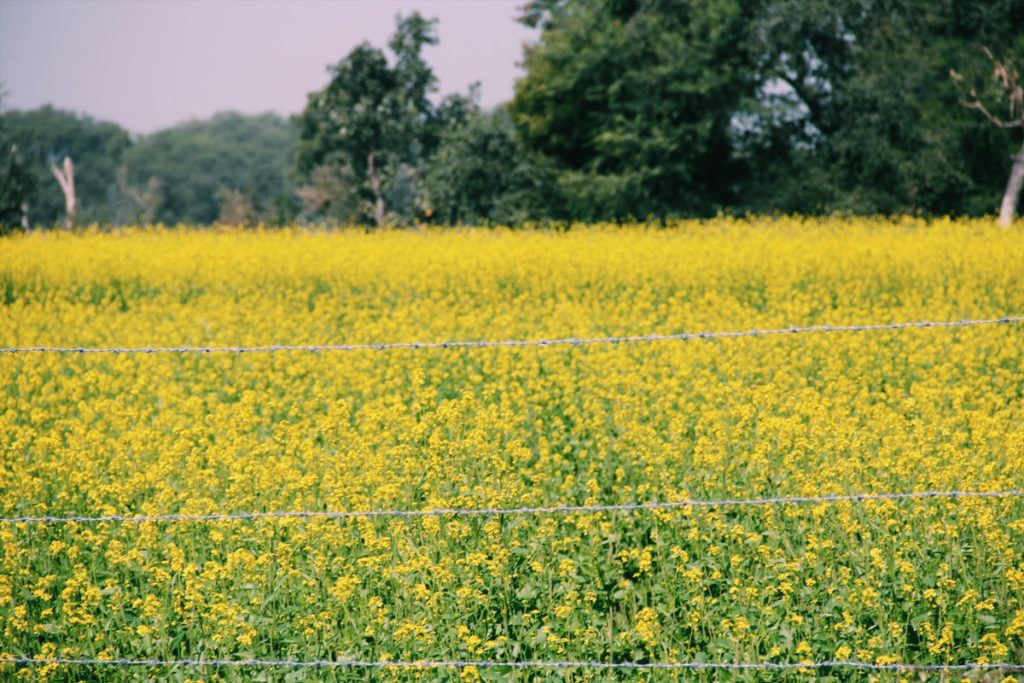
x=482 y=171
x=16 y=185
x=365 y=136
x=854 y=110
x=45 y=137
x=191 y=172
x=349 y=126
x=65 y=176
x=1008 y=87
x=633 y=99
x=668 y=106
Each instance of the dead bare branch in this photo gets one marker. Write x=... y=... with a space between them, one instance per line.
x=994 y=120
x=1008 y=79
x=65 y=176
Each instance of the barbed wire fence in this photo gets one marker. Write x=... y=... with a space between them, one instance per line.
x=555 y=509
x=487 y=664
x=557 y=341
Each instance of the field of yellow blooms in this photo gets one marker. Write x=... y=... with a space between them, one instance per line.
x=920 y=581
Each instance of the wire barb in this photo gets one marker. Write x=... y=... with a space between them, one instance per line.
x=576 y=341
x=439 y=664
x=565 y=509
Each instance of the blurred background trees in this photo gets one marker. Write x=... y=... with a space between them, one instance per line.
x=628 y=108
x=197 y=172
x=231 y=167
x=44 y=137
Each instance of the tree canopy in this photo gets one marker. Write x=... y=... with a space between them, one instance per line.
x=668 y=106
x=45 y=136
x=628 y=108
x=208 y=170
x=634 y=101
x=365 y=136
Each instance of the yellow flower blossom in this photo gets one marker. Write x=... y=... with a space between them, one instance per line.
x=927 y=581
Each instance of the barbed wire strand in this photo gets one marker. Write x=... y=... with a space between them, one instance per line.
x=510 y=342
x=567 y=509
x=523 y=510
x=437 y=664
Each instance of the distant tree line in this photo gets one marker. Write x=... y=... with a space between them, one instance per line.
x=628 y=109
x=231 y=168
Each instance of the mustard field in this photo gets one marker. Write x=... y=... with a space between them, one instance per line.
x=918 y=581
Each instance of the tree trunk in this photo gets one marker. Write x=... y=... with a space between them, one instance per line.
x=1008 y=208
x=66 y=178
x=378 y=209
x=24 y=216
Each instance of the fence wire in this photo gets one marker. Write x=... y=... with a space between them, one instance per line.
x=565 y=509
x=577 y=341
x=484 y=664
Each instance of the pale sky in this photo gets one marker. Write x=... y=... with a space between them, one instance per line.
x=150 y=64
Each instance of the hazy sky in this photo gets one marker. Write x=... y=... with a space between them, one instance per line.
x=149 y=64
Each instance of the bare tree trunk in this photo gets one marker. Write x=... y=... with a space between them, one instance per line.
x=66 y=178
x=1008 y=208
x=24 y=216
x=378 y=209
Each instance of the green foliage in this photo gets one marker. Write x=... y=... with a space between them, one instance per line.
x=44 y=136
x=669 y=107
x=213 y=169
x=634 y=101
x=483 y=172
x=629 y=108
x=16 y=183
x=364 y=136
x=856 y=102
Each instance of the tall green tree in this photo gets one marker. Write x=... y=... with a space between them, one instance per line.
x=634 y=100
x=351 y=127
x=364 y=138
x=855 y=110
x=367 y=126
